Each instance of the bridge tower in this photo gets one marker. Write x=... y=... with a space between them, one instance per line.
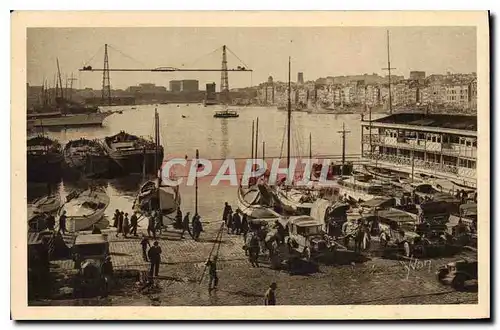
x=224 y=81
x=106 y=85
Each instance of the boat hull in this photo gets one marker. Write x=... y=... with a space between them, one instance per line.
x=76 y=223
x=43 y=168
x=75 y=120
x=137 y=162
x=252 y=210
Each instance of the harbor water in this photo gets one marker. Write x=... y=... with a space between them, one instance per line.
x=185 y=128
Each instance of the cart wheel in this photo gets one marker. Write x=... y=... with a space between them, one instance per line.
x=406 y=249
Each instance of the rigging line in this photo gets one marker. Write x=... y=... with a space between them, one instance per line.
x=125 y=55
x=321 y=156
x=199 y=58
x=283 y=138
x=237 y=57
x=98 y=51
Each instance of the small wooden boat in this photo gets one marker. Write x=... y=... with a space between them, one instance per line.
x=47 y=204
x=85 y=209
x=295 y=201
x=132 y=153
x=86 y=156
x=152 y=197
x=183 y=116
x=44 y=158
x=251 y=202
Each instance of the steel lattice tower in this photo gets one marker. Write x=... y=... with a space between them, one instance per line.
x=224 y=81
x=106 y=85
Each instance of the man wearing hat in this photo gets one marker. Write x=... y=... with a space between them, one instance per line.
x=155 y=259
x=185 y=224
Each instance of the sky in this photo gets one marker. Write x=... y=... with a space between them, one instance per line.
x=315 y=51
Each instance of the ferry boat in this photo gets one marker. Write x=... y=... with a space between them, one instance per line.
x=59 y=119
x=133 y=154
x=44 y=158
x=226 y=114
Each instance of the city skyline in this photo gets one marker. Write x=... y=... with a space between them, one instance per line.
x=265 y=50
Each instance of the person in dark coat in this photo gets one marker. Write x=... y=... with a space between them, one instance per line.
x=125 y=225
x=119 y=227
x=62 y=223
x=133 y=224
x=227 y=210
x=151 y=226
x=212 y=273
x=229 y=221
x=270 y=296
x=154 y=255
x=244 y=227
x=178 y=219
x=116 y=217
x=145 y=244
x=197 y=227
x=236 y=223
x=185 y=225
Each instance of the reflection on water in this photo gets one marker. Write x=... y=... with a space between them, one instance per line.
x=214 y=137
x=225 y=138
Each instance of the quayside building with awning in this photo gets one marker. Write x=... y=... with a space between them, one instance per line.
x=439 y=145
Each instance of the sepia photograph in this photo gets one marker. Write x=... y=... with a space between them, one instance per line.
x=252 y=165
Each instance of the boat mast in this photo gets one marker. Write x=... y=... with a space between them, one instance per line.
x=257 y=138
x=343 y=132
x=253 y=129
x=59 y=78
x=196 y=185
x=310 y=153
x=389 y=71
x=289 y=113
x=263 y=150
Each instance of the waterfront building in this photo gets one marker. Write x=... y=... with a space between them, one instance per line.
x=444 y=146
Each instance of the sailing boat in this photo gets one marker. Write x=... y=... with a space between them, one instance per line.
x=293 y=200
x=152 y=194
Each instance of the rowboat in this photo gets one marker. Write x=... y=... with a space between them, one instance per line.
x=85 y=209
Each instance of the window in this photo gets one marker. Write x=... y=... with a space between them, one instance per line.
x=474 y=143
x=468 y=143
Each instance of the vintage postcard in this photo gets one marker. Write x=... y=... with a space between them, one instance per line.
x=250 y=165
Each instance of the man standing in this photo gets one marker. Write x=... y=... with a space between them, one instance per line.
x=115 y=218
x=119 y=228
x=229 y=221
x=197 y=227
x=270 y=297
x=185 y=225
x=227 y=210
x=212 y=272
x=155 y=259
x=178 y=219
x=133 y=224
x=236 y=223
x=125 y=225
x=62 y=223
x=244 y=227
x=151 y=226
x=145 y=244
